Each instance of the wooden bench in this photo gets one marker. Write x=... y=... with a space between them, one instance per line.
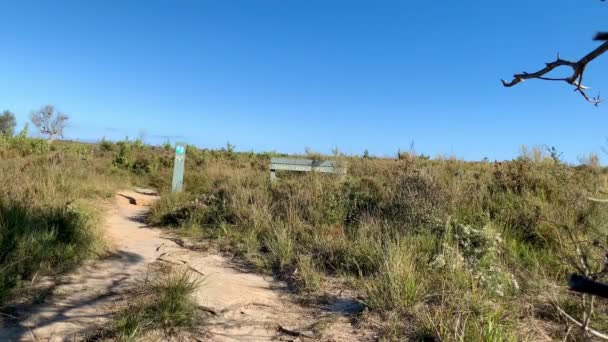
x=303 y=165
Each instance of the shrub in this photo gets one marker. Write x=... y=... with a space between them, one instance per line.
x=414 y=201
x=23 y=145
x=84 y=151
x=145 y=164
x=106 y=145
x=123 y=158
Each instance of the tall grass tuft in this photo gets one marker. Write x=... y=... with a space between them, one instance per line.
x=400 y=282
x=166 y=302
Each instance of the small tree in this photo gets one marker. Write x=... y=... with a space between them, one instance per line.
x=7 y=123
x=335 y=152
x=49 y=122
x=229 y=147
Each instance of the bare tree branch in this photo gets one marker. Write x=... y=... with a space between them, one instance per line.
x=573 y=320
x=578 y=69
x=601 y=36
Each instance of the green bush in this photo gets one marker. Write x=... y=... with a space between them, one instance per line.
x=106 y=145
x=23 y=145
x=124 y=157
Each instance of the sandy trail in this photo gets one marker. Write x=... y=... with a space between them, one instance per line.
x=250 y=307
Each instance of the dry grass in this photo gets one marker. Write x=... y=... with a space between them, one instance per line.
x=49 y=209
x=458 y=248
x=165 y=303
x=439 y=249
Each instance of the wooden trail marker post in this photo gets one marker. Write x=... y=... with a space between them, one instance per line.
x=178 y=167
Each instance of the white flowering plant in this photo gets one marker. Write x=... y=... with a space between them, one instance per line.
x=477 y=252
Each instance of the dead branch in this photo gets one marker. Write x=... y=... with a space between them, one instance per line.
x=178 y=264
x=195 y=270
x=296 y=332
x=209 y=310
x=13 y=263
x=168 y=261
x=568 y=333
x=578 y=69
x=573 y=320
x=601 y=36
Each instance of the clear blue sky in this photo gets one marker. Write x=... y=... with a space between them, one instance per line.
x=284 y=75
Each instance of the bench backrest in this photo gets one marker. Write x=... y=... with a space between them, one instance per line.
x=303 y=165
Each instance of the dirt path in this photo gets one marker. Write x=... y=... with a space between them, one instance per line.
x=249 y=306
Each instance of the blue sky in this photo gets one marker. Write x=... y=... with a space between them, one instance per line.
x=284 y=75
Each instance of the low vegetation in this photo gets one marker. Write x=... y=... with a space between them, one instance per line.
x=439 y=249
x=49 y=208
x=165 y=303
x=162 y=307
x=436 y=249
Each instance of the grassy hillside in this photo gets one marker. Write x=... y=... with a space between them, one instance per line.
x=437 y=249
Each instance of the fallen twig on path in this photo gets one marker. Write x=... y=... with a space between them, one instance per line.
x=296 y=332
x=209 y=310
x=184 y=263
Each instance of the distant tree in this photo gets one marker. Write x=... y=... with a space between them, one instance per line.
x=366 y=154
x=229 y=147
x=554 y=154
x=7 y=123
x=106 y=145
x=335 y=152
x=49 y=122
